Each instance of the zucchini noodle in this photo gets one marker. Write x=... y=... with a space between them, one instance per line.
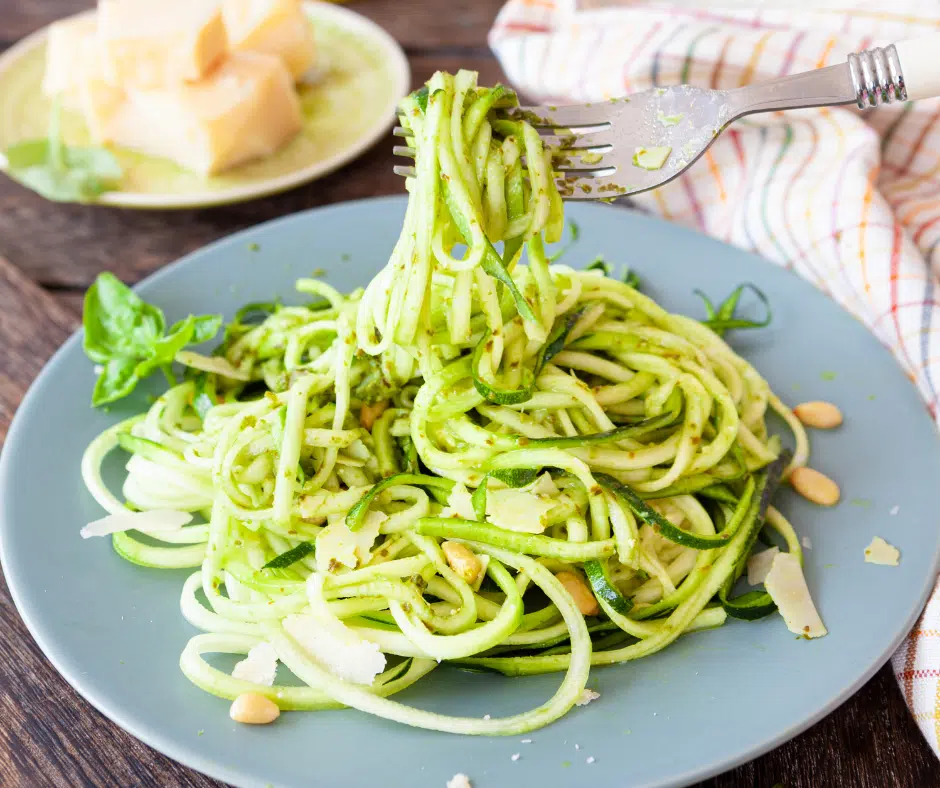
x=483 y=459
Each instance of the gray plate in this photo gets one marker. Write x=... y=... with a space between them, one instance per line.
x=710 y=701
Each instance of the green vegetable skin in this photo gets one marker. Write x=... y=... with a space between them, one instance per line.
x=59 y=172
x=509 y=392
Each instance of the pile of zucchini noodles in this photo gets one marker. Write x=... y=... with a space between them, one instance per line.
x=608 y=438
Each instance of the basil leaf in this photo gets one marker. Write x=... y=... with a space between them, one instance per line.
x=117 y=322
x=128 y=336
x=31 y=153
x=205 y=327
x=723 y=318
x=181 y=334
x=116 y=381
x=61 y=173
x=96 y=163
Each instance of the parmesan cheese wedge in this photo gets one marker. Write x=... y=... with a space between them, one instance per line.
x=158 y=44
x=245 y=109
x=274 y=27
x=787 y=587
x=880 y=552
x=65 y=54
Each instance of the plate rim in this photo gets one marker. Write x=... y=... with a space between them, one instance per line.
x=172 y=747
x=393 y=55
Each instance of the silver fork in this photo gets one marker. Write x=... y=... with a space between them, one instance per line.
x=597 y=146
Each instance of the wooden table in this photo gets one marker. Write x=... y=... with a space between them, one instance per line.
x=49 y=254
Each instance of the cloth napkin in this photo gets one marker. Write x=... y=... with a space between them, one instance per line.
x=846 y=199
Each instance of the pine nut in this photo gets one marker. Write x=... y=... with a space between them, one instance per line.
x=815 y=486
x=253 y=709
x=821 y=415
x=463 y=561
x=580 y=593
x=369 y=413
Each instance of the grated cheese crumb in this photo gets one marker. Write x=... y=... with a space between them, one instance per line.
x=577 y=746
x=894 y=510
x=882 y=553
x=259 y=666
x=526 y=741
x=807 y=543
x=586 y=696
x=516 y=756
x=590 y=759
x=459 y=781
x=486 y=716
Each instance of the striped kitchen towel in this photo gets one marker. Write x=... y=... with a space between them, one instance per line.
x=848 y=200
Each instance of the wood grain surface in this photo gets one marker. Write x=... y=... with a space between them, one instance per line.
x=49 y=736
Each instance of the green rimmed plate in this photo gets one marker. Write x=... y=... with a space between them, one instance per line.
x=366 y=73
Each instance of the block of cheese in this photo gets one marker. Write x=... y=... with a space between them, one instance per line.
x=157 y=43
x=98 y=99
x=275 y=27
x=245 y=109
x=65 y=50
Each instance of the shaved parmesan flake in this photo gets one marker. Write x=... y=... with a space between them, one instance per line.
x=586 y=696
x=544 y=485
x=459 y=504
x=216 y=364
x=807 y=543
x=259 y=666
x=518 y=510
x=758 y=565
x=336 y=544
x=787 y=587
x=331 y=643
x=336 y=648
x=459 y=781
x=524 y=509
x=153 y=521
x=880 y=552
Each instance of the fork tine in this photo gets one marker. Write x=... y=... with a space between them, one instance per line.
x=405 y=172
x=574 y=187
x=581 y=140
x=586 y=160
x=573 y=115
x=404 y=150
x=401 y=131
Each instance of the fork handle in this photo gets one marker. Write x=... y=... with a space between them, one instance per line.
x=904 y=71
x=920 y=66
